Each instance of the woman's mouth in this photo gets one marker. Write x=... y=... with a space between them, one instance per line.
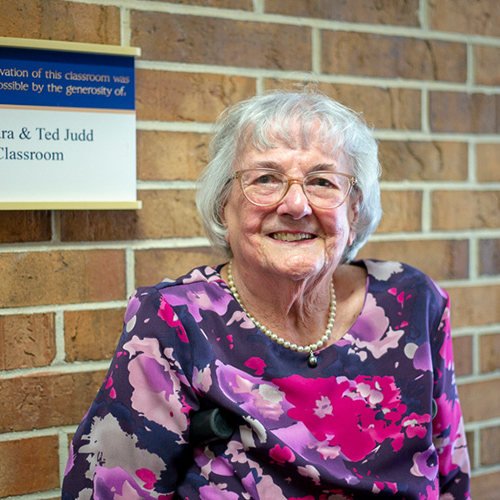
x=284 y=236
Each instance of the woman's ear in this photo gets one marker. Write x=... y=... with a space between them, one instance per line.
x=223 y=219
x=222 y=215
x=355 y=202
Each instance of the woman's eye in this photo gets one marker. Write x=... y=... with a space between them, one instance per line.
x=266 y=179
x=323 y=182
x=263 y=179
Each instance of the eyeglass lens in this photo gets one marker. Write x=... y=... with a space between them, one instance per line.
x=267 y=187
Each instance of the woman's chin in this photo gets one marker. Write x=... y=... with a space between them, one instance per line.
x=299 y=268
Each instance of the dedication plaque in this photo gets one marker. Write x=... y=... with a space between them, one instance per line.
x=67 y=126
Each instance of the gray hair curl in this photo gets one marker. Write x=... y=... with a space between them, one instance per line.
x=261 y=122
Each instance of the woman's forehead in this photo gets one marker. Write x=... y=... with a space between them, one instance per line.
x=284 y=156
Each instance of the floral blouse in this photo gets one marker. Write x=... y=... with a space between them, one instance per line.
x=378 y=417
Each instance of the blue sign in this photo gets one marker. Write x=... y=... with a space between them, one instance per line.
x=36 y=77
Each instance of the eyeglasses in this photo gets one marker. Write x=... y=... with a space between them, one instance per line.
x=265 y=187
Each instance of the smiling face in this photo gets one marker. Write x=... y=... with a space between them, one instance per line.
x=292 y=238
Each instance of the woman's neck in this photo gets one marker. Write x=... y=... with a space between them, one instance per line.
x=296 y=310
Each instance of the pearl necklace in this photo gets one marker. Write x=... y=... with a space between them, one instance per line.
x=313 y=360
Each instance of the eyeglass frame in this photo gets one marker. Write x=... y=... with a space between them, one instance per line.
x=291 y=180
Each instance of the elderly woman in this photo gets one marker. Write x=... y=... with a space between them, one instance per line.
x=291 y=371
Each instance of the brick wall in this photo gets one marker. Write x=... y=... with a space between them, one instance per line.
x=426 y=73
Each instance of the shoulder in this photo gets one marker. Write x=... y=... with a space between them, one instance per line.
x=203 y=277
x=184 y=298
x=398 y=277
x=394 y=271
x=385 y=270
x=170 y=313
x=396 y=286
x=201 y=274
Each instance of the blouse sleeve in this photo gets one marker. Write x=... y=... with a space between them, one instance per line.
x=135 y=435
x=448 y=425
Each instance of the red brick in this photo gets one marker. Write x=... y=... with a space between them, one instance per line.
x=165 y=214
x=458 y=112
x=381 y=108
x=489 y=256
x=490 y=446
x=187 y=97
x=181 y=38
x=477 y=401
x=92 y=335
x=167 y=156
x=169 y=214
x=152 y=266
x=25 y=226
x=402 y=211
x=490 y=352
x=462 y=351
x=463 y=16
x=450 y=257
x=488 y=162
x=364 y=54
x=29 y=465
x=99 y=225
x=485 y=486
x=487 y=65
x=26 y=341
x=469 y=436
x=60 y=20
x=355 y=11
x=423 y=161
x=475 y=305
x=59 y=277
x=465 y=209
x=47 y=400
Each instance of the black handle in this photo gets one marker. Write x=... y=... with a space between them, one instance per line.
x=211 y=425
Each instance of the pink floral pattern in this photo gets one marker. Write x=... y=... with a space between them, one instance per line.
x=345 y=413
x=379 y=417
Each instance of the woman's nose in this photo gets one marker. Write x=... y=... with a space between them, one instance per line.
x=295 y=202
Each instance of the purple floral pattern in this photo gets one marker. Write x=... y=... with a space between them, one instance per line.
x=379 y=417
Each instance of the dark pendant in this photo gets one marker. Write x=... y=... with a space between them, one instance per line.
x=312 y=361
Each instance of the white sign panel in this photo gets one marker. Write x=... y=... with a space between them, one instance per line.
x=67 y=129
